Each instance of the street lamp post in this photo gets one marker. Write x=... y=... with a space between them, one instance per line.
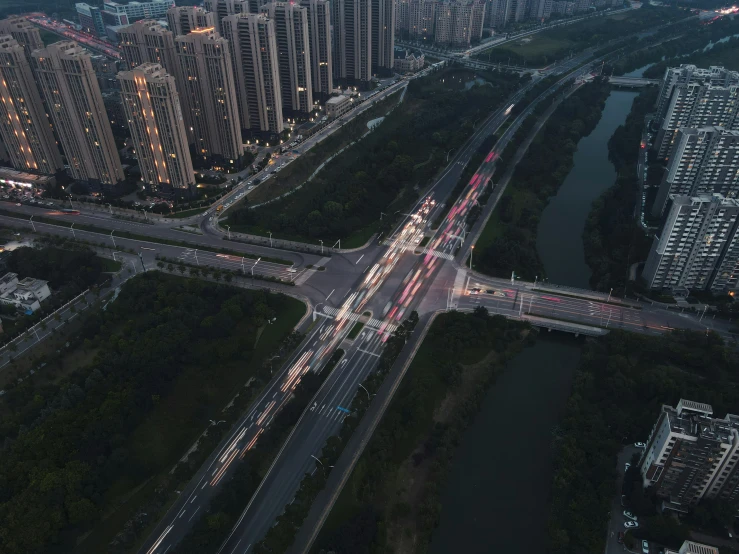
x=228 y=228
x=71 y=228
x=319 y=240
x=365 y=390
x=110 y=209
x=32 y=225
x=111 y=238
x=609 y=295
x=70 y=202
x=252 y=270
x=472 y=251
x=270 y=238
x=146 y=217
x=447 y=154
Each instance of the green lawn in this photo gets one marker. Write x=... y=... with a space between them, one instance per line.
x=534 y=47
x=111 y=266
x=355 y=330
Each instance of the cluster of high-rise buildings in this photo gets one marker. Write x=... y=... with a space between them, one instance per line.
x=691 y=455
x=191 y=87
x=698 y=137
x=460 y=22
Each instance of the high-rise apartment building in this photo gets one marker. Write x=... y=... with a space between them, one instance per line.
x=352 y=41
x=415 y=18
x=319 y=48
x=293 y=55
x=697 y=248
x=255 y=68
x=691 y=455
x=224 y=8
x=383 y=36
x=152 y=107
x=24 y=128
x=478 y=17
x=692 y=97
x=147 y=41
x=185 y=19
x=24 y=32
x=72 y=94
x=208 y=95
x=703 y=161
x=454 y=22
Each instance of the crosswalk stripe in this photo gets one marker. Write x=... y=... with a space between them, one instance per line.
x=371 y=322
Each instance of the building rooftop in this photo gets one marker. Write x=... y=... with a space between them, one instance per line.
x=694 y=419
x=337 y=99
x=31 y=284
x=8 y=278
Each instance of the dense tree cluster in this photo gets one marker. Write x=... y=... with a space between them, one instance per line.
x=381 y=172
x=64 y=443
x=612 y=238
x=668 y=53
x=619 y=387
x=537 y=177
x=370 y=503
x=72 y=269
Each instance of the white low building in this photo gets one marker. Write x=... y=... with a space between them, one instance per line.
x=336 y=106
x=26 y=294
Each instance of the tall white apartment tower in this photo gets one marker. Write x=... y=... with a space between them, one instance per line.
x=185 y=19
x=70 y=87
x=352 y=40
x=319 y=37
x=293 y=55
x=319 y=46
x=696 y=248
x=24 y=32
x=208 y=95
x=703 y=161
x=146 y=41
x=223 y=8
x=383 y=36
x=24 y=128
x=152 y=107
x=255 y=67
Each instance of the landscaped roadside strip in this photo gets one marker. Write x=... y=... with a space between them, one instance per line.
x=135 y=236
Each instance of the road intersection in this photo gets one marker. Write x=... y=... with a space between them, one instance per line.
x=388 y=279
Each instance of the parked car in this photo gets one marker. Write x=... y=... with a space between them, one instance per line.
x=629 y=515
x=640 y=445
x=620 y=537
x=631 y=524
x=645 y=547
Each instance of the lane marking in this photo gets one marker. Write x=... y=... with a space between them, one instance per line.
x=193 y=514
x=360 y=257
x=329 y=294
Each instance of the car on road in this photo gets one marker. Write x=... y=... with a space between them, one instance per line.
x=640 y=445
x=645 y=547
x=17 y=203
x=250 y=187
x=629 y=515
x=620 y=537
x=631 y=524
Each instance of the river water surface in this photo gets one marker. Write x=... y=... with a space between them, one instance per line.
x=559 y=237
x=497 y=494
